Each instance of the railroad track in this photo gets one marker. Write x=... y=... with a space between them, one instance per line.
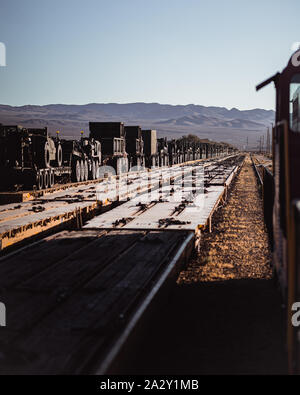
x=76 y=300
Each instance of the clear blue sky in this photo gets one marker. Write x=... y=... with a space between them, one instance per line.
x=166 y=51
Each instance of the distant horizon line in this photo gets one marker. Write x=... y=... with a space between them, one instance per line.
x=131 y=103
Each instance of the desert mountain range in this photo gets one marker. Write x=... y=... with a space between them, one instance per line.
x=216 y=123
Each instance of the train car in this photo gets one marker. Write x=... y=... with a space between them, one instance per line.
x=163 y=154
x=84 y=158
x=196 y=151
x=185 y=145
x=208 y=149
x=173 y=151
x=134 y=146
x=29 y=158
x=112 y=137
x=296 y=110
x=91 y=149
x=189 y=152
x=150 y=148
x=286 y=207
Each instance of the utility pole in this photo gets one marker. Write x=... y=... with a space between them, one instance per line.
x=268 y=142
x=259 y=145
x=271 y=139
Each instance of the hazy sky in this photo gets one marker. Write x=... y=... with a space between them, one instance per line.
x=166 y=51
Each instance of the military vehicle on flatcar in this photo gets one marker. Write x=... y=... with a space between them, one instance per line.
x=30 y=158
x=135 y=146
x=112 y=137
x=163 y=154
x=150 y=148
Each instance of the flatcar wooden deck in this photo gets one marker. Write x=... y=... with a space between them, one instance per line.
x=7 y=197
x=183 y=205
x=70 y=297
x=78 y=203
x=24 y=220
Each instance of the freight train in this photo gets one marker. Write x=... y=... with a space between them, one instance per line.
x=31 y=159
x=282 y=195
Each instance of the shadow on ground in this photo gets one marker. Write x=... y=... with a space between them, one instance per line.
x=230 y=327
